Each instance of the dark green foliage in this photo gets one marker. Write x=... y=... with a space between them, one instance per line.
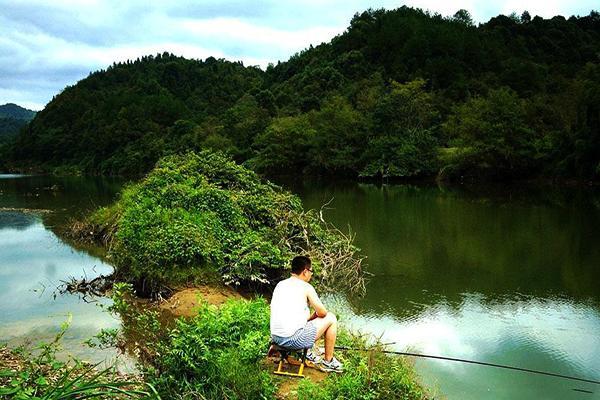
x=284 y=145
x=404 y=144
x=340 y=132
x=9 y=127
x=342 y=107
x=575 y=142
x=493 y=134
x=202 y=213
x=408 y=155
x=14 y=111
x=216 y=354
x=12 y=119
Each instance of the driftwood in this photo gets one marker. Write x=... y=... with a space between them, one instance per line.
x=341 y=262
x=98 y=286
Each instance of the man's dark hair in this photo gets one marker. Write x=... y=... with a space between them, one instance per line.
x=299 y=264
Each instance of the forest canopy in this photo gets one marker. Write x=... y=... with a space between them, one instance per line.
x=401 y=93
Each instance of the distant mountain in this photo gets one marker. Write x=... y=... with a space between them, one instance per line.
x=12 y=119
x=11 y=110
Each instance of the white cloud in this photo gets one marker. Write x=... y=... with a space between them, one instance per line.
x=247 y=35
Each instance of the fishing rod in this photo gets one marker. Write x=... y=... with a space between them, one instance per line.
x=533 y=371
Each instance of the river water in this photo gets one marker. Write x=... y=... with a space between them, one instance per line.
x=506 y=275
x=34 y=262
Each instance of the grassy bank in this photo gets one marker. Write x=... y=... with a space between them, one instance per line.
x=219 y=353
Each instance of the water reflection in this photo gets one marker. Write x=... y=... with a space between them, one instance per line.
x=553 y=335
x=506 y=275
x=34 y=261
x=17 y=220
x=426 y=238
x=66 y=197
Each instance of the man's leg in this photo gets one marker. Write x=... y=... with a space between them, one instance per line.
x=327 y=326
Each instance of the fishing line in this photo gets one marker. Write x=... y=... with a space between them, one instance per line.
x=533 y=371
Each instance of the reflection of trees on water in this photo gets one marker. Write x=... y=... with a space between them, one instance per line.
x=17 y=220
x=427 y=244
x=65 y=197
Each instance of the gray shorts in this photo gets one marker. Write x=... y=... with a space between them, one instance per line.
x=303 y=338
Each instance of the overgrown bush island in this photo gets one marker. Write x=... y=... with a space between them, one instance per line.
x=200 y=213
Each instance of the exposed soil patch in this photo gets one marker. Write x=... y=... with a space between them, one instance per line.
x=184 y=302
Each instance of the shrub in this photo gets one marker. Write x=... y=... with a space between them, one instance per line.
x=216 y=354
x=199 y=214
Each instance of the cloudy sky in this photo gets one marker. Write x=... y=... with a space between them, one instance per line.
x=46 y=45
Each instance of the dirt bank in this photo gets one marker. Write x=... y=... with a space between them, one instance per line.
x=184 y=302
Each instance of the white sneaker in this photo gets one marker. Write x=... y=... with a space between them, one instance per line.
x=313 y=357
x=332 y=366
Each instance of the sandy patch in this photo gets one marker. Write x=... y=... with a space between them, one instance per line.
x=184 y=302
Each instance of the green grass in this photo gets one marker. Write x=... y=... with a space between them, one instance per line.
x=43 y=377
x=368 y=375
x=217 y=354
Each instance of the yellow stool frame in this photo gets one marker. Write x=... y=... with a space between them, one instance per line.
x=285 y=353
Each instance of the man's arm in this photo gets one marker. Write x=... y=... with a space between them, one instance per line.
x=316 y=304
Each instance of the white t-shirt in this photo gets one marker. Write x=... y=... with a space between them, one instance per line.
x=289 y=306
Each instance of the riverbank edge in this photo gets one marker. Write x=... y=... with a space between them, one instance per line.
x=559 y=181
x=185 y=302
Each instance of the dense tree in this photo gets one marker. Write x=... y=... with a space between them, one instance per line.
x=339 y=136
x=284 y=145
x=403 y=143
x=401 y=93
x=493 y=134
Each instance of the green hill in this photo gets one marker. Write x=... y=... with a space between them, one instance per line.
x=9 y=127
x=119 y=121
x=12 y=119
x=400 y=93
x=11 y=110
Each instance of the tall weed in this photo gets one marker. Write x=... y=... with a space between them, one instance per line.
x=216 y=354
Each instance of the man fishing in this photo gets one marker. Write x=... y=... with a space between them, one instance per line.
x=292 y=324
